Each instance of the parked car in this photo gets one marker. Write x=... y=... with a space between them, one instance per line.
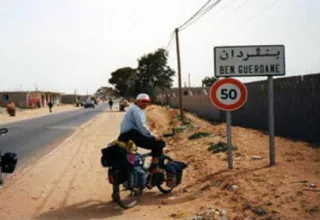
x=89 y=104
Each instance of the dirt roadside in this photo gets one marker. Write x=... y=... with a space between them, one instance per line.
x=33 y=113
x=69 y=182
x=252 y=190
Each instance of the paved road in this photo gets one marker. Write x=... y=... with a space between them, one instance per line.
x=33 y=138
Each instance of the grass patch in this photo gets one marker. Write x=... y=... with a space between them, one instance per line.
x=180 y=129
x=186 y=121
x=199 y=135
x=220 y=147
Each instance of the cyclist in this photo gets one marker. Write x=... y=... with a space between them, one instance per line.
x=134 y=128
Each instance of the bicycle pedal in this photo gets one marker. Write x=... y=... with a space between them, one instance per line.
x=149 y=185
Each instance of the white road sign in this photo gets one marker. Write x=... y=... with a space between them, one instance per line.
x=260 y=60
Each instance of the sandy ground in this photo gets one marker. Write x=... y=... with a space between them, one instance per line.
x=31 y=113
x=273 y=189
x=69 y=182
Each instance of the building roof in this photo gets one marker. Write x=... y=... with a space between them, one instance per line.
x=45 y=92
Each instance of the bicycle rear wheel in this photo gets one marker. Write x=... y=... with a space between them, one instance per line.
x=124 y=197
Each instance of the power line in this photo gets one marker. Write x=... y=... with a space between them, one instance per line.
x=195 y=14
x=263 y=9
x=170 y=42
x=185 y=23
x=266 y=7
x=233 y=13
x=220 y=9
x=201 y=14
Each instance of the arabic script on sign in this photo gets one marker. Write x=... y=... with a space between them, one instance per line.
x=239 y=54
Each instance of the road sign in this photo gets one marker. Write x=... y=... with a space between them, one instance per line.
x=228 y=94
x=260 y=60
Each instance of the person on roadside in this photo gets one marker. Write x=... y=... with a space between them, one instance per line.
x=133 y=127
x=50 y=105
x=110 y=103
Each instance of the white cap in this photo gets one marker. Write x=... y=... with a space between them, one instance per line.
x=143 y=96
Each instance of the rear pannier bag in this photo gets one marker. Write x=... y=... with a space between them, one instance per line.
x=137 y=178
x=113 y=155
x=174 y=172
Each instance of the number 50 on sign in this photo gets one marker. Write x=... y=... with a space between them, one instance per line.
x=228 y=94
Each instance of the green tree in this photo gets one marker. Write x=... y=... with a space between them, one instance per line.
x=208 y=81
x=153 y=73
x=124 y=81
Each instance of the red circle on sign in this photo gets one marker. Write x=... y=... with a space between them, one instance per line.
x=228 y=107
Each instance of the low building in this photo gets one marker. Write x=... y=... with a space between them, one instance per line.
x=72 y=98
x=50 y=96
x=29 y=99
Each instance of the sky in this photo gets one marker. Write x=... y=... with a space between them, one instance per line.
x=73 y=45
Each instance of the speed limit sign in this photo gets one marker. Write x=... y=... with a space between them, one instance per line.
x=228 y=94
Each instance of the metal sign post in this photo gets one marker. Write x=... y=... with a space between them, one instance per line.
x=229 y=140
x=271 y=122
x=257 y=60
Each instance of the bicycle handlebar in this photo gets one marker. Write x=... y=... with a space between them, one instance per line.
x=171 y=134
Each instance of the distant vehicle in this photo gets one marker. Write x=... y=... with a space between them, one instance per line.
x=123 y=104
x=89 y=104
x=94 y=100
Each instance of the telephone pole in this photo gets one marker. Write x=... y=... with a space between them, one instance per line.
x=189 y=80
x=75 y=96
x=179 y=73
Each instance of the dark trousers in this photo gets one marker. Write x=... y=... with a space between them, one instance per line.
x=145 y=142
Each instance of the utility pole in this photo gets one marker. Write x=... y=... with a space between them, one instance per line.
x=179 y=73
x=75 y=95
x=189 y=80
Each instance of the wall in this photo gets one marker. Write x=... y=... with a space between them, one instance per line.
x=296 y=107
x=33 y=99
x=296 y=103
x=19 y=98
x=68 y=99
x=71 y=99
x=29 y=99
x=198 y=104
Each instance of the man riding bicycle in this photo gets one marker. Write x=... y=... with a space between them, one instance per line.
x=134 y=128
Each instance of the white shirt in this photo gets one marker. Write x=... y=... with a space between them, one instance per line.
x=135 y=118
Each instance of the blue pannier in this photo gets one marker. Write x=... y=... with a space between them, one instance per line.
x=137 y=177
